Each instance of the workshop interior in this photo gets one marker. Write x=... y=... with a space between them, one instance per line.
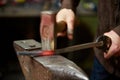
x=20 y=20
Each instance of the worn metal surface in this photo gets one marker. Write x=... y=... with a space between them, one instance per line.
x=62 y=68
x=28 y=44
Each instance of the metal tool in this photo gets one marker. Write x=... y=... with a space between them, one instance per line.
x=102 y=42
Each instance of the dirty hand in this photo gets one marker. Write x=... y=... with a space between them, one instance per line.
x=115 y=46
x=68 y=16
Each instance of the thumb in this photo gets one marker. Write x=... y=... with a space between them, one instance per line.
x=110 y=53
x=70 y=29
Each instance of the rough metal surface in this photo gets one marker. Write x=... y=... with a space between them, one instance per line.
x=62 y=68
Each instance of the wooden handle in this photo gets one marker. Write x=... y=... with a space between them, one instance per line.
x=61 y=26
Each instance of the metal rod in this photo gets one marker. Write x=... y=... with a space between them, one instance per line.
x=79 y=47
x=60 y=51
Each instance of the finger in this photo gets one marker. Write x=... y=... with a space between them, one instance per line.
x=61 y=34
x=70 y=28
x=112 y=51
x=70 y=25
x=70 y=37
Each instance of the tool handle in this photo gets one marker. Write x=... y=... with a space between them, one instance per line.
x=61 y=26
x=106 y=42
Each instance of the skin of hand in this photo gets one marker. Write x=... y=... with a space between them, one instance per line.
x=115 y=46
x=68 y=16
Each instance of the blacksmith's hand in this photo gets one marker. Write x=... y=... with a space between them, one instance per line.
x=114 y=50
x=68 y=16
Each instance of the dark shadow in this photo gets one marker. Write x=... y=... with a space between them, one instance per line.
x=15 y=28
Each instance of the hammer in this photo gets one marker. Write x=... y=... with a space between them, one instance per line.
x=49 y=29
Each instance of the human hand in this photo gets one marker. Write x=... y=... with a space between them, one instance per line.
x=115 y=46
x=68 y=16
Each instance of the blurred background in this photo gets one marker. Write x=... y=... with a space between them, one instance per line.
x=20 y=19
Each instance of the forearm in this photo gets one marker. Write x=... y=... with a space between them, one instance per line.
x=70 y=4
x=117 y=30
